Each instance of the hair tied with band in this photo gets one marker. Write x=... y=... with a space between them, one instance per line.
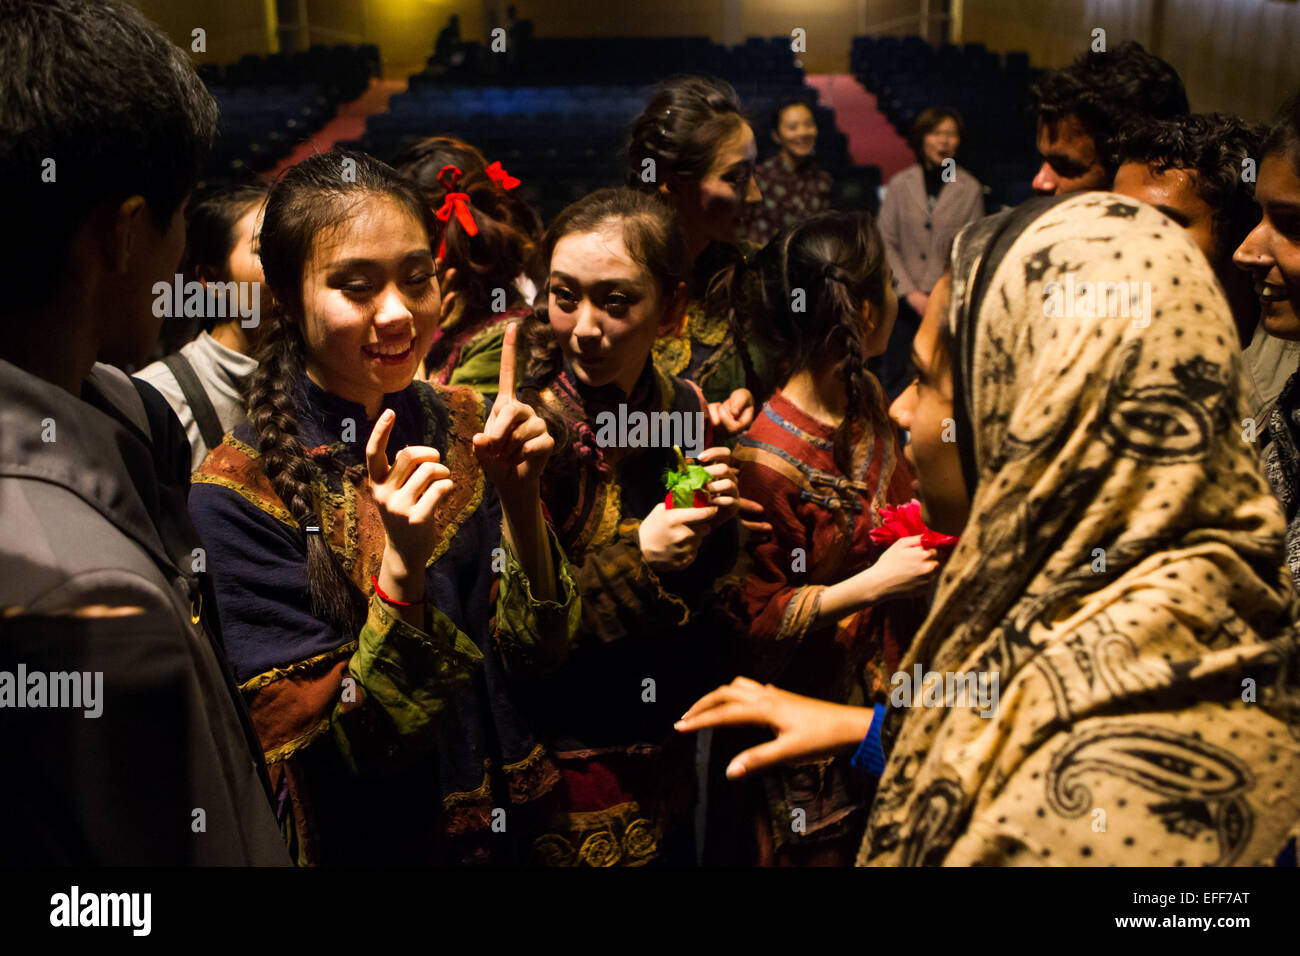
x=497 y=173
x=456 y=202
x=834 y=273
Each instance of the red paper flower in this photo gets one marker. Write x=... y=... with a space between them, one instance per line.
x=699 y=499
x=905 y=521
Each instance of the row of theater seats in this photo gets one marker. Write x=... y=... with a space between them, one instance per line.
x=639 y=60
x=343 y=72
x=907 y=75
x=553 y=122
x=269 y=104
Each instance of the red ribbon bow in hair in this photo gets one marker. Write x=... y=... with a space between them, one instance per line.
x=904 y=522
x=497 y=173
x=456 y=202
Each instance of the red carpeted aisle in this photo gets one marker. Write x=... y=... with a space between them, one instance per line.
x=871 y=137
x=350 y=123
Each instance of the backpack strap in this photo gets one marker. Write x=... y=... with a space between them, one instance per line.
x=205 y=416
x=116 y=386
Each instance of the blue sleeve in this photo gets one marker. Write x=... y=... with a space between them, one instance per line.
x=870 y=755
x=259 y=572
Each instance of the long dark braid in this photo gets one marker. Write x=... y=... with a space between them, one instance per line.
x=319 y=193
x=273 y=413
x=724 y=290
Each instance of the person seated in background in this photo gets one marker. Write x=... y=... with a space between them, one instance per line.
x=793 y=188
x=1271 y=255
x=93 y=463
x=1082 y=107
x=203 y=382
x=448 y=40
x=1191 y=169
x=925 y=206
x=1047 y=684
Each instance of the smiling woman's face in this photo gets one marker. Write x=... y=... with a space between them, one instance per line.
x=925 y=410
x=371 y=303
x=1271 y=253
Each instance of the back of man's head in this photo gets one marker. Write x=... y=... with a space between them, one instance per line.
x=97 y=105
x=1109 y=90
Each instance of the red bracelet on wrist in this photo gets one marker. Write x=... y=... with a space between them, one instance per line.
x=374 y=580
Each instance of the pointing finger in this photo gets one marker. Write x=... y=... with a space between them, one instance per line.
x=506 y=386
x=377 y=447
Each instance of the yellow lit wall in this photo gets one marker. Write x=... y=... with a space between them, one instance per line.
x=405 y=30
x=233 y=27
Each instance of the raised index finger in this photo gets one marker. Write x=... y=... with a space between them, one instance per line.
x=506 y=387
x=377 y=447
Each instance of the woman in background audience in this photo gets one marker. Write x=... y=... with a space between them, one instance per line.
x=1271 y=253
x=692 y=146
x=793 y=188
x=203 y=382
x=484 y=278
x=616 y=274
x=925 y=206
x=1115 y=630
x=366 y=601
x=823 y=459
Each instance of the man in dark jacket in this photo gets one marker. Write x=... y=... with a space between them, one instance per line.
x=123 y=737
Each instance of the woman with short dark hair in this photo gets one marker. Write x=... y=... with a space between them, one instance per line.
x=925 y=207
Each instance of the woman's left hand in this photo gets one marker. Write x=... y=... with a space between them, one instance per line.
x=724 y=490
x=804 y=726
x=514 y=446
x=735 y=414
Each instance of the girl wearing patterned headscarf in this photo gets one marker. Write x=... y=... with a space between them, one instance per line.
x=1119 y=588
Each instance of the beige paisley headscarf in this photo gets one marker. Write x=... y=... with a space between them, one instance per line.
x=1121 y=573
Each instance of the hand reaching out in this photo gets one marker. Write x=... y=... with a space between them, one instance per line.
x=804 y=726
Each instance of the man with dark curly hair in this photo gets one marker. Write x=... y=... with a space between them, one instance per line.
x=1082 y=107
x=1197 y=170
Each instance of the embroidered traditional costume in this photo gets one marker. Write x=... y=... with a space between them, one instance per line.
x=644 y=651
x=398 y=744
x=821 y=523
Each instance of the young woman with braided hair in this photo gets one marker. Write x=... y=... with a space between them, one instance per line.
x=817 y=600
x=366 y=601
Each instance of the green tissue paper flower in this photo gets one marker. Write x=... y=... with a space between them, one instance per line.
x=685 y=481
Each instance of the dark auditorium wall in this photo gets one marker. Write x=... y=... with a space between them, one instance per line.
x=405 y=30
x=1234 y=55
x=1238 y=56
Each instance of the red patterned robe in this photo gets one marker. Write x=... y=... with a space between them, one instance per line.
x=821 y=519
